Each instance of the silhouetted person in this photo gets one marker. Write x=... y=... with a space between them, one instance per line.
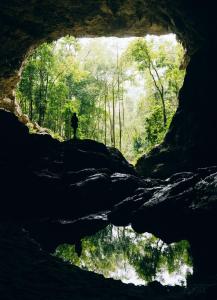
x=74 y=124
x=78 y=248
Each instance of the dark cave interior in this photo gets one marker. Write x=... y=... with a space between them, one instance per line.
x=58 y=193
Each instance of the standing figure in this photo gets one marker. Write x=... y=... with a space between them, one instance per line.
x=74 y=124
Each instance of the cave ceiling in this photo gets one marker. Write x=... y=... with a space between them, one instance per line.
x=26 y=24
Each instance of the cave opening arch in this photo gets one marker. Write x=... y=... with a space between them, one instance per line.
x=25 y=27
x=35 y=23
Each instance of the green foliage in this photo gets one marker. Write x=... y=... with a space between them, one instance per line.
x=113 y=251
x=159 y=64
x=124 y=99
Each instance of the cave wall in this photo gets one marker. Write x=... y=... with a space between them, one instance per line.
x=191 y=141
x=196 y=115
x=61 y=192
x=26 y=24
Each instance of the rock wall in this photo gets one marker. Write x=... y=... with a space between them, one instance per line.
x=61 y=192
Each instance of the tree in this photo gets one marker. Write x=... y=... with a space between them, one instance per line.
x=116 y=248
x=160 y=65
x=125 y=99
x=142 y=55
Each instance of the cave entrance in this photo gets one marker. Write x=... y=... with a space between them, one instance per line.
x=123 y=254
x=124 y=90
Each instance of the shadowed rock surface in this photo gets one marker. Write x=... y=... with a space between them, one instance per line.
x=51 y=195
x=63 y=191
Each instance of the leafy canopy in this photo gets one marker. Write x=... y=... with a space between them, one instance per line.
x=125 y=96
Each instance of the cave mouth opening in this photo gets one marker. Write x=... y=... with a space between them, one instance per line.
x=124 y=90
x=123 y=254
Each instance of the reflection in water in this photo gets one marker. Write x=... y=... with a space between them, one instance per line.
x=123 y=254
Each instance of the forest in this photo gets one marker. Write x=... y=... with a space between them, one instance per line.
x=123 y=254
x=124 y=91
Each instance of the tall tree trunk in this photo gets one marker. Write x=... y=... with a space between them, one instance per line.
x=163 y=108
x=120 y=125
x=113 y=114
x=119 y=100
x=105 y=115
x=110 y=122
x=158 y=84
x=40 y=100
x=44 y=104
x=160 y=90
x=123 y=110
x=30 y=98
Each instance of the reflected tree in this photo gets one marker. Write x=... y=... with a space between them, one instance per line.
x=116 y=252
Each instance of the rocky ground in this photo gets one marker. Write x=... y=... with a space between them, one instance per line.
x=61 y=192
